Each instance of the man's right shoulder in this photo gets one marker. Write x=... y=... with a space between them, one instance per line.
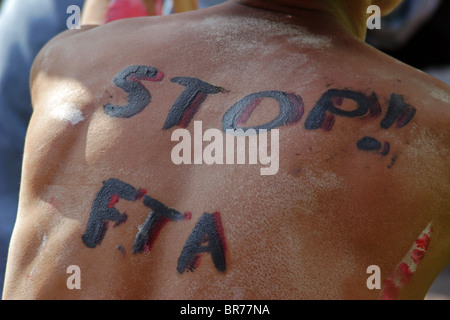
x=56 y=50
x=69 y=47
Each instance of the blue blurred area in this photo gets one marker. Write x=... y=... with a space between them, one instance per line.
x=25 y=27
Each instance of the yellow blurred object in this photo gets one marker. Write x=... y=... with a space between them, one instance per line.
x=154 y=7
x=185 y=5
x=151 y=7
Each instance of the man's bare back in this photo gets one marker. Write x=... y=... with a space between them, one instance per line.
x=363 y=177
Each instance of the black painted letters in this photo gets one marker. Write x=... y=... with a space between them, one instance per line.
x=207 y=236
x=138 y=96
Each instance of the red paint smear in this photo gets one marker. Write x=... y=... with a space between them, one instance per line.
x=404 y=272
x=187 y=215
x=328 y=122
x=375 y=107
x=247 y=111
x=297 y=103
x=157 y=77
x=391 y=291
x=122 y=9
x=417 y=255
x=386 y=149
x=114 y=199
x=194 y=263
x=192 y=110
x=423 y=242
x=337 y=101
x=154 y=233
x=140 y=194
x=219 y=229
x=405 y=117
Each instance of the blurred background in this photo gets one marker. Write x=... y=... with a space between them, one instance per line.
x=417 y=33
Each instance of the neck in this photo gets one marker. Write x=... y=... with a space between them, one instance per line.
x=350 y=15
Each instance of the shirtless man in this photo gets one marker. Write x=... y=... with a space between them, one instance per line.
x=358 y=208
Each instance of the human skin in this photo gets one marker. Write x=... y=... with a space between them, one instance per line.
x=339 y=203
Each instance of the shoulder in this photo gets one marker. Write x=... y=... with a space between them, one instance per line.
x=429 y=96
x=56 y=46
x=53 y=59
x=429 y=148
x=74 y=48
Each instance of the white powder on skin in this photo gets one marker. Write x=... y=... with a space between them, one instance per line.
x=426 y=156
x=68 y=112
x=65 y=101
x=239 y=33
x=441 y=95
x=44 y=241
x=243 y=42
